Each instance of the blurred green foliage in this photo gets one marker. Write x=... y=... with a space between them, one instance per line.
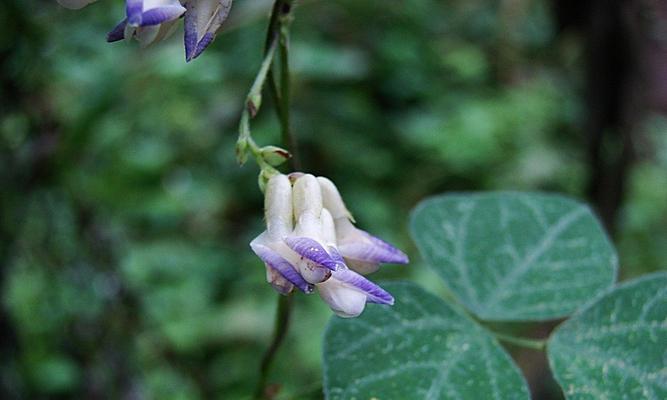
x=126 y=221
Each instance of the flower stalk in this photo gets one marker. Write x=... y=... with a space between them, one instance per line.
x=252 y=104
x=277 y=34
x=281 y=326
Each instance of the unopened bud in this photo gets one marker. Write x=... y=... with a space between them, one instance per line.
x=241 y=150
x=275 y=155
x=254 y=103
x=264 y=176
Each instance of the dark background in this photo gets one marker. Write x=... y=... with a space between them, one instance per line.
x=125 y=220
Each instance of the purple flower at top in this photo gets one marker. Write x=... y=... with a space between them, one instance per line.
x=300 y=247
x=149 y=21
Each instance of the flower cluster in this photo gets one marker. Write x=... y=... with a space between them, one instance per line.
x=310 y=242
x=152 y=20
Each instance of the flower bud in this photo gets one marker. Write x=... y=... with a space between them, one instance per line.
x=275 y=155
x=241 y=150
x=254 y=103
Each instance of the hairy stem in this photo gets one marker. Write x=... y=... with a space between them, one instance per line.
x=279 y=333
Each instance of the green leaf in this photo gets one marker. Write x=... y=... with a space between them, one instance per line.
x=420 y=348
x=515 y=256
x=617 y=347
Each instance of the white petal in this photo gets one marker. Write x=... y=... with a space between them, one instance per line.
x=278 y=206
x=75 y=4
x=307 y=196
x=346 y=232
x=262 y=239
x=166 y=29
x=146 y=35
x=332 y=200
x=344 y=301
x=312 y=272
x=307 y=200
x=328 y=228
x=210 y=15
x=362 y=267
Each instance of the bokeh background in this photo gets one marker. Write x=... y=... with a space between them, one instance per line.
x=125 y=220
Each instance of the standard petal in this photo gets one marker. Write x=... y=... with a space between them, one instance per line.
x=374 y=292
x=345 y=301
x=328 y=228
x=278 y=206
x=75 y=4
x=311 y=250
x=332 y=199
x=278 y=263
x=307 y=197
x=202 y=21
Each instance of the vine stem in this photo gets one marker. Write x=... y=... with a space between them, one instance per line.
x=281 y=325
x=252 y=105
x=288 y=137
x=535 y=344
x=278 y=32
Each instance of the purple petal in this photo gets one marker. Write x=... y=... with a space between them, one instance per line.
x=203 y=44
x=118 y=32
x=202 y=21
x=133 y=9
x=190 y=37
x=374 y=293
x=372 y=250
x=337 y=257
x=278 y=263
x=311 y=250
x=162 y=14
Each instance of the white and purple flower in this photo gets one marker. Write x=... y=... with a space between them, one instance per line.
x=149 y=21
x=302 y=245
x=362 y=251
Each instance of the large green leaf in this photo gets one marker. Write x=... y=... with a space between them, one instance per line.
x=617 y=347
x=515 y=256
x=420 y=348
